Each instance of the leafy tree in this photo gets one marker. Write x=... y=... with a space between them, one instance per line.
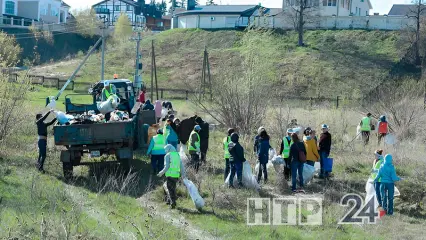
x=123 y=28
x=10 y=51
x=162 y=7
x=87 y=23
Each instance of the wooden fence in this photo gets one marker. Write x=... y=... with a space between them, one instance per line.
x=53 y=82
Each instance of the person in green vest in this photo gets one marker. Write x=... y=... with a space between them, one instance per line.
x=194 y=147
x=227 y=155
x=156 y=150
x=173 y=169
x=285 y=153
x=378 y=161
x=108 y=91
x=365 y=125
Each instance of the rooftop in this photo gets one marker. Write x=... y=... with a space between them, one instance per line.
x=405 y=10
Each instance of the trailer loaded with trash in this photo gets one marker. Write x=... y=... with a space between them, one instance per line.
x=84 y=130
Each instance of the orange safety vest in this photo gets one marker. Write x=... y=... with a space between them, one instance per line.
x=383 y=127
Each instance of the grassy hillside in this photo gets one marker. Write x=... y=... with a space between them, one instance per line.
x=345 y=63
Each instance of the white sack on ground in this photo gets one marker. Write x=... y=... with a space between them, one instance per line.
x=193 y=192
x=249 y=180
x=390 y=139
x=277 y=160
x=183 y=157
x=272 y=153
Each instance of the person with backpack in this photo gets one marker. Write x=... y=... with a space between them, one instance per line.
x=365 y=125
x=263 y=155
x=298 y=158
x=378 y=161
x=227 y=155
x=382 y=128
x=312 y=154
x=285 y=153
x=387 y=177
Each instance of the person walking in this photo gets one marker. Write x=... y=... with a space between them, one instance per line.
x=285 y=153
x=173 y=169
x=170 y=133
x=298 y=157
x=256 y=139
x=263 y=155
x=156 y=150
x=324 y=149
x=236 y=160
x=142 y=94
x=365 y=125
x=378 y=161
x=312 y=154
x=204 y=137
x=42 y=138
x=147 y=106
x=387 y=176
x=226 y=141
x=158 y=108
x=194 y=148
x=382 y=128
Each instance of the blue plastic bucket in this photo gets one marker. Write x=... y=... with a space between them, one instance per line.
x=328 y=165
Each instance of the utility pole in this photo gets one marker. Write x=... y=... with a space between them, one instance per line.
x=103 y=50
x=138 y=65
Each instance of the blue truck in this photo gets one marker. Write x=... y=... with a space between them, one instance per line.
x=120 y=139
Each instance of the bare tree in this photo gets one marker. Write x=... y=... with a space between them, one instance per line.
x=301 y=12
x=418 y=13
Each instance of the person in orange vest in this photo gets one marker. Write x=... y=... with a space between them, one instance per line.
x=382 y=128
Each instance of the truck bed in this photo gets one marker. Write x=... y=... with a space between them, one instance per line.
x=98 y=133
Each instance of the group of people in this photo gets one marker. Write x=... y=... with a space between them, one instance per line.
x=367 y=126
x=294 y=151
x=384 y=177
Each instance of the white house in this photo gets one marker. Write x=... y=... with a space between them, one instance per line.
x=215 y=16
x=336 y=7
x=112 y=9
x=47 y=11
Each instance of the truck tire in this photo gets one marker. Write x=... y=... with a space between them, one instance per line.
x=76 y=157
x=68 y=170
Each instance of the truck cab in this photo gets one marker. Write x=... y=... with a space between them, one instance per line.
x=124 y=90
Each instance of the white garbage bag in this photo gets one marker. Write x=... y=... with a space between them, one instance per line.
x=256 y=168
x=317 y=166
x=109 y=105
x=193 y=192
x=390 y=139
x=62 y=117
x=249 y=180
x=115 y=101
x=277 y=160
x=183 y=157
x=164 y=112
x=396 y=192
x=52 y=103
x=358 y=133
x=308 y=173
x=370 y=192
x=272 y=153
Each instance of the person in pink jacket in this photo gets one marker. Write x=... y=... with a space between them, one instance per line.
x=158 y=107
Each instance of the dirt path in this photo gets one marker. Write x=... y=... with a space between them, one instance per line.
x=79 y=198
x=175 y=219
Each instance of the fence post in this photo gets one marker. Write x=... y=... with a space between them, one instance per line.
x=186 y=93
x=58 y=84
x=337 y=102
x=310 y=101
x=42 y=80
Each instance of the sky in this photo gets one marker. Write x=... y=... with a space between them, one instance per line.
x=380 y=6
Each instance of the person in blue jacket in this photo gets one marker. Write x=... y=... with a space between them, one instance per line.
x=170 y=133
x=388 y=177
x=262 y=151
x=157 y=151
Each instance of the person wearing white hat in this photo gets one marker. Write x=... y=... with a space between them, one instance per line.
x=256 y=139
x=324 y=148
x=285 y=152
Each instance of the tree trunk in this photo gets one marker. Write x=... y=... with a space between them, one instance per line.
x=300 y=27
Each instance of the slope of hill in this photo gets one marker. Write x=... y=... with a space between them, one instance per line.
x=352 y=62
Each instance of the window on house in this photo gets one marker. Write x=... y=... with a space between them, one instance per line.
x=330 y=3
x=10 y=7
x=116 y=8
x=128 y=8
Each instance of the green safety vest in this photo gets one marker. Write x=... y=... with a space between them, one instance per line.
x=174 y=168
x=226 y=142
x=107 y=93
x=197 y=143
x=286 y=151
x=159 y=142
x=376 y=167
x=365 y=126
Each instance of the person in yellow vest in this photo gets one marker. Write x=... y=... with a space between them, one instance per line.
x=378 y=161
x=227 y=155
x=194 y=147
x=285 y=153
x=156 y=150
x=365 y=125
x=108 y=91
x=173 y=169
